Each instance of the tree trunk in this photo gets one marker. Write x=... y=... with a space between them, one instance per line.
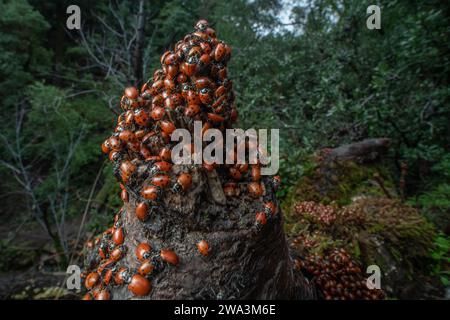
x=138 y=50
x=244 y=262
x=248 y=256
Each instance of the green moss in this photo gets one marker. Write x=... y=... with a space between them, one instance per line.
x=338 y=184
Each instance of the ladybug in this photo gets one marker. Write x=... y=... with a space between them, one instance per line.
x=160 y=166
x=117 y=253
x=215 y=117
x=209 y=166
x=151 y=193
x=205 y=96
x=91 y=280
x=122 y=276
x=182 y=78
x=145 y=152
x=203 y=247
x=202 y=82
x=177 y=98
x=170 y=58
x=102 y=251
x=211 y=32
x=167 y=126
x=184 y=182
x=260 y=218
x=146 y=94
x=255 y=189
x=126 y=170
x=108 y=276
x=158 y=75
x=171 y=71
x=220 y=91
x=195 y=51
x=106 y=146
x=270 y=208
x=201 y=25
x=131 y=93
x=157 y=100
x=118 y=236
x=230 y=189
x=201 y=35
x=171 y=103
x=145 y=268
x=156 y=87
x=143 y=251
x=115 y=143
x=243 y=168
x=219 y=101
x=127 y=135
x=129 y=117
x=107 y=264
x=219 y=52
x=125 y=103
x=189 y=68
x=169 y=256
x=256 y=172
x=87 y=296
x=192 y=97
x=220 y=72
x=103 y=295
x=235 y=173
x=165 y=154
x=157 y=113
x=141 y=117
x=142 y=211
x=161 y=180
x=206 y=47
x=204 y=60
x=169 y=85
x=140 y=133
x=191 y=110
x=164 y=56
x=276 y=182
x=139 y=285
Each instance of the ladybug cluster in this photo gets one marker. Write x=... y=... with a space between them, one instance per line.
x=326 y=215
x=319 y=213
x=191 y=85
x=337 y=276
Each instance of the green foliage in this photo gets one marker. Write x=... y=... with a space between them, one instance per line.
x=435 y=202
x=441 y=258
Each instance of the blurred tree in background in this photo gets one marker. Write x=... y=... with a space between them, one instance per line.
x=310 y=68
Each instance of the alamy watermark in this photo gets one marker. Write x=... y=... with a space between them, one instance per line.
x=374 y=280
x=373 y=22
x=74 y=20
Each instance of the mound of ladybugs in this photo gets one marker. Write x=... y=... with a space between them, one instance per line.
x=192 y=85
x=337 y=276
x=334 y=272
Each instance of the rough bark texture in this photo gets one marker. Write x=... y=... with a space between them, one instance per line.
x=362 y=151
x=244 y=262
x=139 y=48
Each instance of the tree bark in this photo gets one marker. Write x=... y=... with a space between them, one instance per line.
x=138 y=50
x=244 y=262
x=362 y=151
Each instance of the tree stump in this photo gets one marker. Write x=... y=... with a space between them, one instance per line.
x=206 y=231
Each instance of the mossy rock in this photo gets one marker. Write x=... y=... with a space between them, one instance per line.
x=387 y=233
x=339 y=183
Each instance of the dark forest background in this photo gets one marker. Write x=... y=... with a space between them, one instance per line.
x=310 y=68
